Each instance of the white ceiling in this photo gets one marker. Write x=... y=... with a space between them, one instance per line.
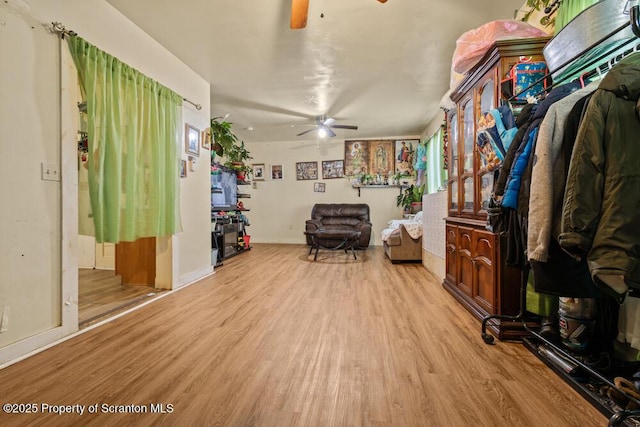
x=382 y=67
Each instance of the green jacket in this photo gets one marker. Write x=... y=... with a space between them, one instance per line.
x=601 y=211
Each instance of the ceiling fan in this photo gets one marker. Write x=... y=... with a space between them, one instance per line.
x=325 y=125
x=299 y=11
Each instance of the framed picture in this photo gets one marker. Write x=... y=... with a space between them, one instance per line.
x=381 y=157
x=258 y=171
x=319 y=187
x=404 y=152
x=356 y=157
x=276 y=172
x=306 y=170
x=183 y=168
x=191 y=161
x=332 y=169
x=192 y=140
x=206 y=139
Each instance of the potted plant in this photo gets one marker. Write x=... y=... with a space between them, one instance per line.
x=235 y=156
x=411 y=198
x=225 y=143
x=367 y=179
x=223 y=136
x=396 y=178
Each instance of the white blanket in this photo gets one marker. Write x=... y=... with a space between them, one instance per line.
x=413 y=227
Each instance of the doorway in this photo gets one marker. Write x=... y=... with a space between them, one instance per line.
x=114 y=278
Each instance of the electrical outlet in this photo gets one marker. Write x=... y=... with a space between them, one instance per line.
x=50 y=172
x=4 y=320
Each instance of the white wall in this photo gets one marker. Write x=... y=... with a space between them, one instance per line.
x=30 y=255
x=434 y=124
x=38 y=261
x=434 y=240
x=279 y=208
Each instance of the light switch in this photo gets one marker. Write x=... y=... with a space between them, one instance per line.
x=50 y=172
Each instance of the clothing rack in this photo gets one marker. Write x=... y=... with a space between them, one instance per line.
x=59 y=29
x=620 y=416
x=634 y=23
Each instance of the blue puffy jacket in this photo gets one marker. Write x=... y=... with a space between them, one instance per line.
x=510 y=199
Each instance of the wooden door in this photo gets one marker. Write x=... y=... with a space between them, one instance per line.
x=465 y=261
x=136 y=261
x=484 y=256
x=451 y=254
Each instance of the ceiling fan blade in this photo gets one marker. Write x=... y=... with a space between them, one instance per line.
x=382 y=1
x=328 y=121
x=345 y=127
x=299 y=10
x=330 y=133
x=306 y=131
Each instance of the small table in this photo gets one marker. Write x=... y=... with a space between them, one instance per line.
x=333 y=239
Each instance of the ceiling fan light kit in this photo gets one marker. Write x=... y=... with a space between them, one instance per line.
x=325 y=125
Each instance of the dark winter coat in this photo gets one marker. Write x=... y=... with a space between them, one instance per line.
x=520 y=176
x=601 y=211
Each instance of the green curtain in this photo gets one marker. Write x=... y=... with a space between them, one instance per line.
x=569 y=9
x=134 y=126
x=436 y=173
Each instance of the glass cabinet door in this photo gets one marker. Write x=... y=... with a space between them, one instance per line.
x=453 y=163
x=467 y=153
x=485 y=177
x=487 y=97
x=486 y=189
x=468 y=135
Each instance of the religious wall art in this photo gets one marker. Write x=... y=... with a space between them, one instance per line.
x=356 y=157
x=404 y=156
x=381 y=157
x=369 y=157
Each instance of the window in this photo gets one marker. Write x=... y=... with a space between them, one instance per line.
x=436 y=173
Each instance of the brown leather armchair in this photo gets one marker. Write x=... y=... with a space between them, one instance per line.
x=341 y=216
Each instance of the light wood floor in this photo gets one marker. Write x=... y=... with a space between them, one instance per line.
x=101 y=294
x=275 y=339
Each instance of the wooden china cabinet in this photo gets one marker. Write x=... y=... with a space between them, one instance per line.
x=475 y=272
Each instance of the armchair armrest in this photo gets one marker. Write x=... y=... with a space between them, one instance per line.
x=405 y=236
x=313 y=224
x=364 y=225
